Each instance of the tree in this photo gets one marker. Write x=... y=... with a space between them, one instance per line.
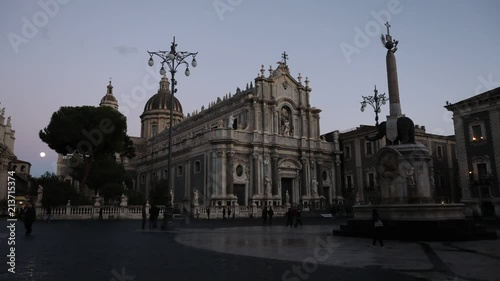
x=56 y=192
x=87 y=133
x=106 y=171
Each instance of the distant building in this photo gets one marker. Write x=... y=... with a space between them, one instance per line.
x=477 y=130
x=260 y=146
x=359 y=175
x=9 y=161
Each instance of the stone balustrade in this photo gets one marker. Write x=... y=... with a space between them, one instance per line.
x=89 y=212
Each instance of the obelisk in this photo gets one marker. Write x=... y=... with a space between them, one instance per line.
x=392 y=80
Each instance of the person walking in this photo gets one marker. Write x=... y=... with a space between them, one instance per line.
x=100 y=214
x=378 y=227
x=289 y=218
x=29 y=218
x=264 y=215
x=208 y=213
x=224 y=213
x=298 y=218
x=228 y=212
x=144 y=216
x=270 y=213
x=49 y=215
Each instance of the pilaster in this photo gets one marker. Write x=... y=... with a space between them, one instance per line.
x=275 y=175
x=229 y=172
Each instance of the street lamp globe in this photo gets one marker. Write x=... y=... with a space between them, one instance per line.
x=383 y=102
x=362 y=109
x=171 y=56
x=162 y=71
x=187 y=72
x=194 y=63
x=151 y=61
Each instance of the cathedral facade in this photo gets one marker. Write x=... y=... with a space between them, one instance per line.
x=260 y=146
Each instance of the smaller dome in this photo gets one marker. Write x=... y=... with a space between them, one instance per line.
x=109 y=98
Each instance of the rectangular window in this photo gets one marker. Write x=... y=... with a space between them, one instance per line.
x=439 y=151
x=477 y=132
x=349 y=182
x=482 y=171
x=368 y=148
x=371 y=180
x=347 y=151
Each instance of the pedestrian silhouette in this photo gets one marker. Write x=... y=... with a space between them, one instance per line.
x=378 y=228
x=270 y=213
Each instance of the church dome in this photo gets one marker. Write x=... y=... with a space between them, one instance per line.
x=109 y=99
x=161 y=100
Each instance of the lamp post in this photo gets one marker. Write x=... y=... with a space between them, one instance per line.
x=172 y=59
x=376 y=101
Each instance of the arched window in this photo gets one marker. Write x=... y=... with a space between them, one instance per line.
x=197 y=166
x=23 y=168
x=179 y=170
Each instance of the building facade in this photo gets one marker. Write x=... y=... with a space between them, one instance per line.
x=477 y=130
x=260 y=146
x=359 y=176
x=9 y=162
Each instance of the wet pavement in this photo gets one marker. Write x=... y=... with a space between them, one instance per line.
x=233 y=250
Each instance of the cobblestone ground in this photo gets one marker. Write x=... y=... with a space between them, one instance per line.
x=120 y=251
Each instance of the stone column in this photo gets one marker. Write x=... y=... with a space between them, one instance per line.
x=255 y=173
x=275 y=175
x=255 y=117
x=187 y=180
x=220 y=174
x=338 y=178
x=463 y=167
x=304 y=177
x=229 y=173
x=392 y=80
x=319 y=177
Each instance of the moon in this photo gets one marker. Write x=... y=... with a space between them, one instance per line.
x=42 y=154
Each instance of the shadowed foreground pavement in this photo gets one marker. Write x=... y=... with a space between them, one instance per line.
x=214 y=250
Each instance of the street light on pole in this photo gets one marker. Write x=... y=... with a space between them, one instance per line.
x=376 y=101
x=171 y=59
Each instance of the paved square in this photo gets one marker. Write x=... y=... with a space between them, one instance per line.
x=233 y=250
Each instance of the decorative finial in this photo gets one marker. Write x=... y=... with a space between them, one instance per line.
x=262 y=70
x=284 y=56
x=387 y=40
x=307 y=82
x=300 y=78
x=270 y=70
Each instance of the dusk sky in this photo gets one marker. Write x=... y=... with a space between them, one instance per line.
x=65 y=54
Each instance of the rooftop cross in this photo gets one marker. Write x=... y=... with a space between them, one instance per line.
x=284 y=56
x=388 y=25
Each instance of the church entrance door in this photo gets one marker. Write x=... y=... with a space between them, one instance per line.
x=239 y=191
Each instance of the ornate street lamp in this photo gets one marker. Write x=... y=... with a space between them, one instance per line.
x=376 y=101
x=171 y=59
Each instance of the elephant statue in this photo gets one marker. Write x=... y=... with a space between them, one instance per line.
x=406 y=132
